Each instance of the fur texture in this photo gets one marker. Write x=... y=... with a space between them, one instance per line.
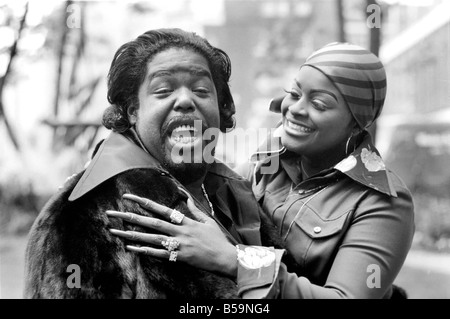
x=76 y=232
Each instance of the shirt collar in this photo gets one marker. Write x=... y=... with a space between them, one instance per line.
x=364 y=165
x=113 y=157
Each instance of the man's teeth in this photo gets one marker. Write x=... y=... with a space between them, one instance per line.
x=185 y=139
x=185 y=134
x=185 y=128
x=300 y=128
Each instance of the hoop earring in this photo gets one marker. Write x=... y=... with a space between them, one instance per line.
x=346 y=145
x=353 y=134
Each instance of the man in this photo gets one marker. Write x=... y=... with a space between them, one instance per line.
x=166 y=88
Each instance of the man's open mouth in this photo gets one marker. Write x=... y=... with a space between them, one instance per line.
x=184 y=130
x=185 y=134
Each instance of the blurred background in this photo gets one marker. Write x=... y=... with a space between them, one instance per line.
x=55 y=55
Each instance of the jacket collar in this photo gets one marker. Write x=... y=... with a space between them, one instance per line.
x=364 y=165
x=113 y=157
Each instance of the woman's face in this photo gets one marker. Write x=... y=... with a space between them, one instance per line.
x=316 y=119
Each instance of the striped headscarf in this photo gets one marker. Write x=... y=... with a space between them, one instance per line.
x=359 y=76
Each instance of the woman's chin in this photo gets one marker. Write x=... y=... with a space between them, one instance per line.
x=292 y=144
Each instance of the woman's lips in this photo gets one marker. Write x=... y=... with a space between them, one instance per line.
x=297 y=128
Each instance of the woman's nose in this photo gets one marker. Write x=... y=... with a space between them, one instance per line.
x=300 y=107
x=184 y=101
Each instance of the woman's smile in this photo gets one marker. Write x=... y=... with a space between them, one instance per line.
x=297 y=128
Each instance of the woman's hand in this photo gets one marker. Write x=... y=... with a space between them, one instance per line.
x=200 y=244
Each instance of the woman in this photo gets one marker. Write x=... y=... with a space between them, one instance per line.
x=346 y=219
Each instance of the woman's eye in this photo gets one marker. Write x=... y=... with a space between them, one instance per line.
x=293 y=94
x=319 y=105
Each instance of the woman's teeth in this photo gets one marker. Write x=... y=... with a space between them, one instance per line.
x=300 y=128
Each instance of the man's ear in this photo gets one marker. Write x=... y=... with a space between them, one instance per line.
x=132 y=115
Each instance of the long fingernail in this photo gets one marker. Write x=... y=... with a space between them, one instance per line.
x=131 y=196
x=184 y=191
x=136 y=249
x=118 y=232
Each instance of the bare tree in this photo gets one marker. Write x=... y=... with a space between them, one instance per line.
x=69 y=87
x=12 y=54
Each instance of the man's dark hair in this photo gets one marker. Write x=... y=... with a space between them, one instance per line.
x=129 y=67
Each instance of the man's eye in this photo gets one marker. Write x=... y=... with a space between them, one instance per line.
x=201 y=90
x=163 y=91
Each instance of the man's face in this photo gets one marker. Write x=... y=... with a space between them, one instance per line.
x=177 y=102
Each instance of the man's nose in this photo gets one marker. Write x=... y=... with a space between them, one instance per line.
x=184 y=100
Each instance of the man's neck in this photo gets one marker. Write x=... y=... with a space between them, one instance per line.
x=196 y=190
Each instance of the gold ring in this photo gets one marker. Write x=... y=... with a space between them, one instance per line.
x=173 y=256
x=170 y=244
x=176 y=217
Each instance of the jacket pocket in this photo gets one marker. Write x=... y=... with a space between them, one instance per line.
x=316 y=227
x=314 y=242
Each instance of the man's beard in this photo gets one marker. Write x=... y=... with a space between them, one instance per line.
x=186 y=173
x=188 y=164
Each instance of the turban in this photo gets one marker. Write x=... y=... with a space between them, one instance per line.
x=359 y=76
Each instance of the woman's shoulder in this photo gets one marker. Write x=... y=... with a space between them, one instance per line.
x=397 y=182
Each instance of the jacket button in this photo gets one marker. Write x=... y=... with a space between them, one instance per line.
x=317 y=229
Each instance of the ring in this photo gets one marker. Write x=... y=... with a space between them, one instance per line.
x=170 y=244
x=176 y=217
x=173 y=256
